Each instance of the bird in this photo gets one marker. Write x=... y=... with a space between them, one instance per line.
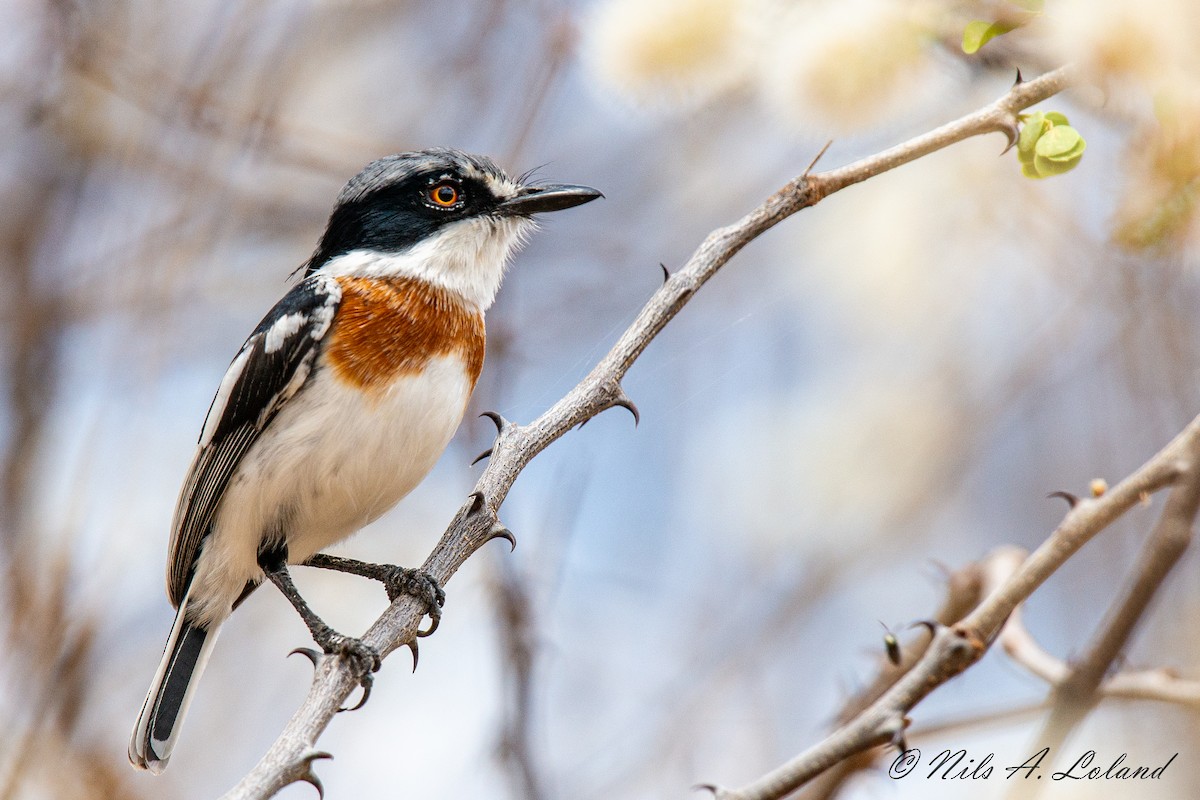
x=339 y=403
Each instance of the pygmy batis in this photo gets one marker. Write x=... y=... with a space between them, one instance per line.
x=340 y=403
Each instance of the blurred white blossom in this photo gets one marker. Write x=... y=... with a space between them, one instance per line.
x=1114 y=39
x=841 y=66
x=820 y=473
x=675 y=52
x=1144 y=56
x=819 y=65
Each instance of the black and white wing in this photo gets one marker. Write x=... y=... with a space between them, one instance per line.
x=268 y=371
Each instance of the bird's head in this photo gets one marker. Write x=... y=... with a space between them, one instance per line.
x=442 y=215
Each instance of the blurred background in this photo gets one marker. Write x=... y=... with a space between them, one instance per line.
x=887 y=383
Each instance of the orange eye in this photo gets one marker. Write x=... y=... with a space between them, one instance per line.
x=443 y=195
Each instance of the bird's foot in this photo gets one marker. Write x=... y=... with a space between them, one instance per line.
x=396 y=581
x=362 y=656
x=419 y=584
x=363 y=659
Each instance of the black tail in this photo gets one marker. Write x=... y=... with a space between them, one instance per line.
x=166 y=703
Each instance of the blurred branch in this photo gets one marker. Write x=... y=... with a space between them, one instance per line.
x=47 y=637
x=1078 y=687
x=516 y=612
x=1064 y=677
x=954 y=649
x=1148 y=684
x=964 y=588
x=290 y=758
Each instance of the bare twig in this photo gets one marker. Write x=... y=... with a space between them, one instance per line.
x=289 y=758
x=975 y=721
x=1079 y=686
x=956 y=648
x=1160 y=554
x=1147 y=684
x=964 y=588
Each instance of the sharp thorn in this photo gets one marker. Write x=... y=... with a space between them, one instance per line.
x=716 y=791
x=624 y=402
x=1019 y=79
x=310 y=777
x=412 y=645
x=477 y=502
x=816 y=158
x=309 y=653
x=931 y=625
x=481 y=456
x=585 y=422
x=500 y=422
x=1071 y=499
x=1013 y=133
x=666 y=272
x=498 y=531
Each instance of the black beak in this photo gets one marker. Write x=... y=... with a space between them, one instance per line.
x=551 y=197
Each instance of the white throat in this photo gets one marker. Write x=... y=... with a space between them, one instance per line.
x=468 y=257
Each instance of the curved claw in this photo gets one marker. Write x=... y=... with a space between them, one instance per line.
x=435 y=619
x=666 y=272
x=422 y=586
x=309 y=653
x=481 y=456
x=412 y=645
x=624 y=402
x=500 y=422
x=498 y=531
x=366 y=683
x=1070 y=498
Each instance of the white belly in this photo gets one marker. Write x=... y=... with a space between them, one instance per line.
x=333 y=460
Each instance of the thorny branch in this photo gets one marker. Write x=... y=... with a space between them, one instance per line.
x=956 y=648
x=964 y=589
x=1077 y=687
x=290 y=758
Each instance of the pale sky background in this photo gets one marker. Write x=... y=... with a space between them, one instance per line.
x=893 y=379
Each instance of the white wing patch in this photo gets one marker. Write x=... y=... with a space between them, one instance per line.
x=281 y=329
